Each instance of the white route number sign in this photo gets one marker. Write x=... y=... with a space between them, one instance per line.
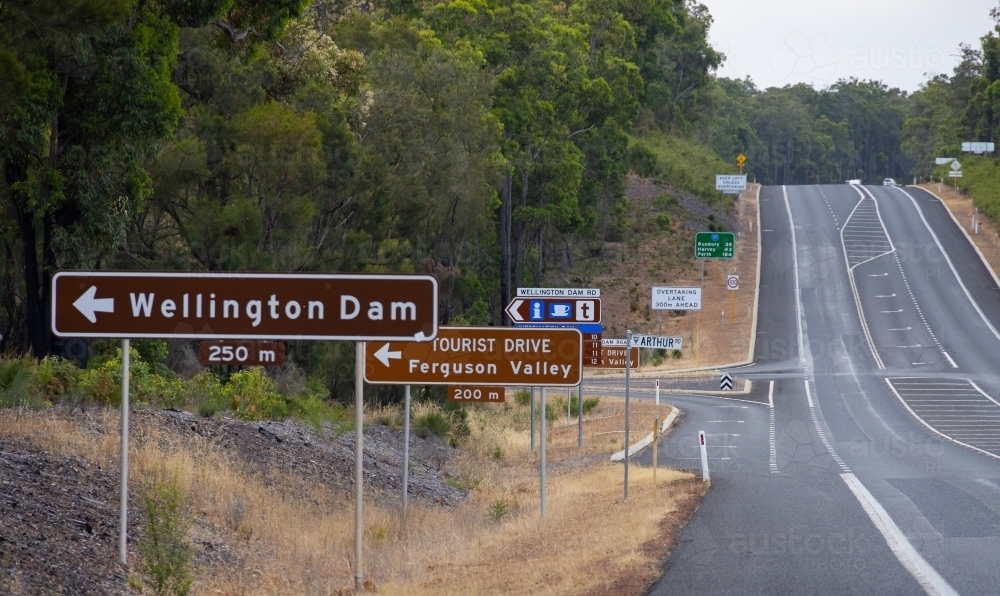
x=733 y=282
x=668 y=298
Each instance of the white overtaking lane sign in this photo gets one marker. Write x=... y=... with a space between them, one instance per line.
x=669 y=298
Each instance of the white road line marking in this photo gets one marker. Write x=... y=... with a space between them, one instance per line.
x=877 y=274
x=928 y=578
x=930 y=426
x=772 y=446
x=886 y=296
x=890 y=311
x=951 y=265
x=901 y=329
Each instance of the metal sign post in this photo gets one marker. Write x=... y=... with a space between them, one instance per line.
x=541 y=438
x=123 y=485
x=628 y=367
x=406 y=447
x=359 y=477
x=579 y=428
x=532 y=389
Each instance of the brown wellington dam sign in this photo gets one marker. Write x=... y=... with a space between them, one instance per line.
x=477 y=356
x=241 y=353
x=258 y=306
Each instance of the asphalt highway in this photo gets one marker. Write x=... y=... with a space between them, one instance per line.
x=867 y=458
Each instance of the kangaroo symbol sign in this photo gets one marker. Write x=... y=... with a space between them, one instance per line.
x=244 y=306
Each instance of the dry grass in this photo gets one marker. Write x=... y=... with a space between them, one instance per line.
x=304 y=544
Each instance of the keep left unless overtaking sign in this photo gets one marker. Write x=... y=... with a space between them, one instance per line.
x=261 y=306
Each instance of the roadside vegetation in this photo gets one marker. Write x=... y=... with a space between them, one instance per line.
x=221 y=526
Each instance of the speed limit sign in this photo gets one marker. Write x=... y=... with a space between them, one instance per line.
x=733 y=282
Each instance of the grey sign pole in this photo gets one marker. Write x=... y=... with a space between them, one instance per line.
x=123 y=489
x=406 y=447
x=541 y=439
x=628 y=367
x=359 y=433
x=579 y=424
x=532 y=390
x=569 y=398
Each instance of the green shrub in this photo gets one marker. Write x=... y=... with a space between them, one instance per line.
x=431 y=423
x=251 y=396
x=54 y=379
x=522 y=397
x=164 y=546
x=498 y=510
x=664 y=202
x=15 y=379
x=663 y=221
x=589 y=404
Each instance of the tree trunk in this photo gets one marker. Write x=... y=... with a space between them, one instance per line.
x=522 y=230
x=506 y=192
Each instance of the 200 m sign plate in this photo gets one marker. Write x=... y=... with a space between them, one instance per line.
x=259 y=306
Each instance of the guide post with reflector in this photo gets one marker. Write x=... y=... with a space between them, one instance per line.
x=704 y=456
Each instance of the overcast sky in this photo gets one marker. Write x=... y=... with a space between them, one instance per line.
x=782 y=42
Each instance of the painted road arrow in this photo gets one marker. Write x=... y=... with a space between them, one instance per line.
x=251 y=306
x=384 y=355
x=89 y=305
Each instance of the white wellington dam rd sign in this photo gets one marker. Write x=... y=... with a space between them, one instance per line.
x=668 y=298
x=259 y=306
x=656 y=342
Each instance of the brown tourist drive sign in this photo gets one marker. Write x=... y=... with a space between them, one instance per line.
x=257 y=306
x=480 y=356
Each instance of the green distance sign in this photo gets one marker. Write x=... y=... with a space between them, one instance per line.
x=714 y=245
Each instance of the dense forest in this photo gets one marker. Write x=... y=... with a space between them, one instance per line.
x=487 y=142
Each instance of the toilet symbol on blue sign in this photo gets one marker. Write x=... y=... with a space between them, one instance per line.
x=537 y=310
